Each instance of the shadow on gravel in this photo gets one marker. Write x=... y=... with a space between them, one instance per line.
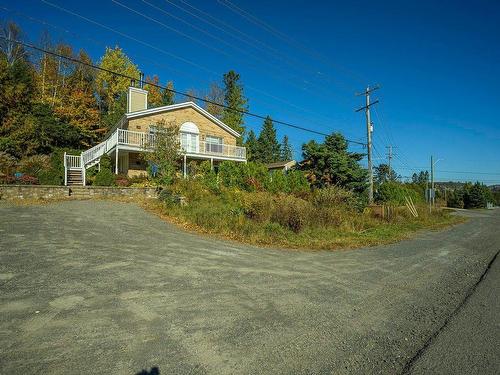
x=154 y=371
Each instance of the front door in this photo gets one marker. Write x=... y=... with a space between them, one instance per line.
x=190 y=142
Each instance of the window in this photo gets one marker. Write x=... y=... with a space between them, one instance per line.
x=189 y=137
x=214 y=144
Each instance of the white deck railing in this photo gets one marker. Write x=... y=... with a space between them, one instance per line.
x=215 y=149
x=73 y=162
x=136 y=139
x=142 y=142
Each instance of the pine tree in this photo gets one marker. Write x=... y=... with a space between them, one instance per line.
x=168 y=97
x=286 y=150
x=268 y=146
x=252 y=146
x=330 y=163
x=235 y=101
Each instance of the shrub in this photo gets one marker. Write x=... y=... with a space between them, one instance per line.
x=169 y=197
x=455 y=198
x=277 y=182
x=297 y=182
x=105 y=177
x=247 y=176
x=258 y=206
x=470 y=196
x=8 y=164
x=122 y=180
x=291 y=212
x=54 y=174
x=164 y=155
x=35 y=164
x=208 y=176
x=7 y=180
x=394 y=193
x=333 y=196
x=477 y=195
x=26 y=179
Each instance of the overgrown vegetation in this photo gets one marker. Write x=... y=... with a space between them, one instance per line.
x=246 y=203
x=105 y=176
x=470 y=196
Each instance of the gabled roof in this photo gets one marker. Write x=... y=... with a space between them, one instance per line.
x=282 y=164
x=166 y=108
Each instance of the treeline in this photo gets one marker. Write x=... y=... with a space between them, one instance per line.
x=471 y=196
x=49 y=102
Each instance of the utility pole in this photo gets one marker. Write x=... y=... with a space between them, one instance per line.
x=369 y=130
x=389 y=156
x=431 y=192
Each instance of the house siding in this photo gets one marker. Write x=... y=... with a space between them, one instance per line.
x=179 y=116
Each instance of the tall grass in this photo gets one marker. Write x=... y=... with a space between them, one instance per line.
x=325 y=219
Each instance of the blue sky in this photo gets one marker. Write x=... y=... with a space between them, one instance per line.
x=438 y=63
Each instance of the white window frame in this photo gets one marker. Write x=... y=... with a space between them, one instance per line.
x=214 y=144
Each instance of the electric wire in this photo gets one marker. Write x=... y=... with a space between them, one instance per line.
x=168 y=89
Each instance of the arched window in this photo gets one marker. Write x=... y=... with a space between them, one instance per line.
x=190 y=137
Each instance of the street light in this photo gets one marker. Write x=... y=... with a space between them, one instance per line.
x=432 y=193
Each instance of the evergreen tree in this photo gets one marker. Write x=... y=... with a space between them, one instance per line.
x=286 y=150
x=330 y=163
x=268 y=147
x=383 y=174
x=105 y=176
x=168 y=97
x=235 y=101
x=421 y=178
x=252 y=146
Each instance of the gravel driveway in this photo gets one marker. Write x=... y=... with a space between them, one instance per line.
x=96 y=287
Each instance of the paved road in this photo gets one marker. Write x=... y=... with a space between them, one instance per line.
x=102 y=287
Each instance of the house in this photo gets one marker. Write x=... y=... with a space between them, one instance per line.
x=281 y=165
x=202 y=137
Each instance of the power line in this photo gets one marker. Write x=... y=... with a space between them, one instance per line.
x=129 y=37
x=169 y=53
x=250 y=17
x=443 y=171
x=247 y=39
x=230 y=56
x=95 y=41
x=166 y=88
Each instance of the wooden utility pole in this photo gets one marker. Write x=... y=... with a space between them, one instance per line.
x=431 y=191
x=389 y=156
x=369 y=130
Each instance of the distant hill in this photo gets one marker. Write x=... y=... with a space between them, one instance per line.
x=449 y=185
x=494 y=187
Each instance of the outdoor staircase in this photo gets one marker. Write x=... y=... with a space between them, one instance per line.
x=74 y=177
x=75 y=166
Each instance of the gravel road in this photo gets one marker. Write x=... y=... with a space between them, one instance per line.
x=92 y=287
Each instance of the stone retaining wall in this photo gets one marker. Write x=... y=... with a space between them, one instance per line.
x=71 y=192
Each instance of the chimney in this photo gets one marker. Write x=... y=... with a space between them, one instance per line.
x=137 y=97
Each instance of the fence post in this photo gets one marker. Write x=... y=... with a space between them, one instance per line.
x=82 y=166
x=65 y=171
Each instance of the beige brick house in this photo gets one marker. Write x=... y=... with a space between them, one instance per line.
x=202 y=137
